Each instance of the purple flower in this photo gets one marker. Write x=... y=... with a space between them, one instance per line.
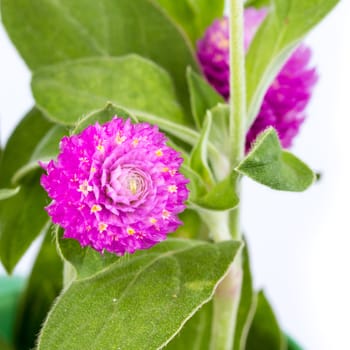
x=116 y=187
x=284 y=104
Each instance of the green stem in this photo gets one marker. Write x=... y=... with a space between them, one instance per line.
x=237 y=81
x=227 y=295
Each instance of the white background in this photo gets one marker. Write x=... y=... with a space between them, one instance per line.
x=299 y=242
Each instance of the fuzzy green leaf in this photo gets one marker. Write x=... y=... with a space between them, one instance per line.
x=86 y=261
x=195 y=335
x=102 y=116
x=22 y=144
x=46 y=150
x=69 y=90
x=44 y=285
x=222 y=196
x=265 y=332
x=22 y=218
x=50 y=31
x=287 y=23
x=268 y=164
x=151 y=294
x=58 y=89
x=202 y=96
x=194 y=16
x=199 y=154
x=219 y=135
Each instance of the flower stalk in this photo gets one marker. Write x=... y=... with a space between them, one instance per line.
x=227 y=295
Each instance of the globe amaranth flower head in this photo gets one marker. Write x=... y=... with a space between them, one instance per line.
x=116 y=187
x=284 y=104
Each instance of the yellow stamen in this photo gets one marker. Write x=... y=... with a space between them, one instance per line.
x=135 y=142
x=119 y=139
x=165 y=169
x=159 y=153
x=133 y=185
x=96 y=208
x=100 y=148
x=153 y=221
x=85 y=188
x=102 y=226
x=172 y=188
x=130 y=231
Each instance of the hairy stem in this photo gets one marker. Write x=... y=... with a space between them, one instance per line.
x=227 y=296
x=237 y=81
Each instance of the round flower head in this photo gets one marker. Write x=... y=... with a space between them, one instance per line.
x=285 y=101
x=116 y=187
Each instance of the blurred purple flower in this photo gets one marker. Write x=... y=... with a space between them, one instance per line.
x=285 y=101
x=116 y=187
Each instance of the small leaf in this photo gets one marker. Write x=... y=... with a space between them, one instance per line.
x=151 y=293
x=193 y=15
x=6 y=193
x=286 y=24
x=247 y=304
x=21 y=144
x=46 y=150
x=68 y=91
x=63 y=30
x=202 y=96
x=86 y=261
x=265 y=332
x=219 y=135
x=222 y=196
x=22 y=219
x=195 y=335
x=199 y=155
x=44 y=285
x=268 y=164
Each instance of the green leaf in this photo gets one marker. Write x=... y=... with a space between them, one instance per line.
x=199 y=154
x=22 y=218
x=222 y=196
x=69 y=90
x=219 y=135
x=287 y=23
x=102 y=116
x=194 y=15
x=268 y=164
x=247 y=304
x=86 y=261
x=47 y=149
x=6 y=193
x=44 y=285
x=195 y=335
x=192 y=227
x=265 y=332
x=63 y=30
x=21 y=144
x=202 y=96
x=151 y=294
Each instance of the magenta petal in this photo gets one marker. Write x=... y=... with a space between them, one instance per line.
x=116 y=187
